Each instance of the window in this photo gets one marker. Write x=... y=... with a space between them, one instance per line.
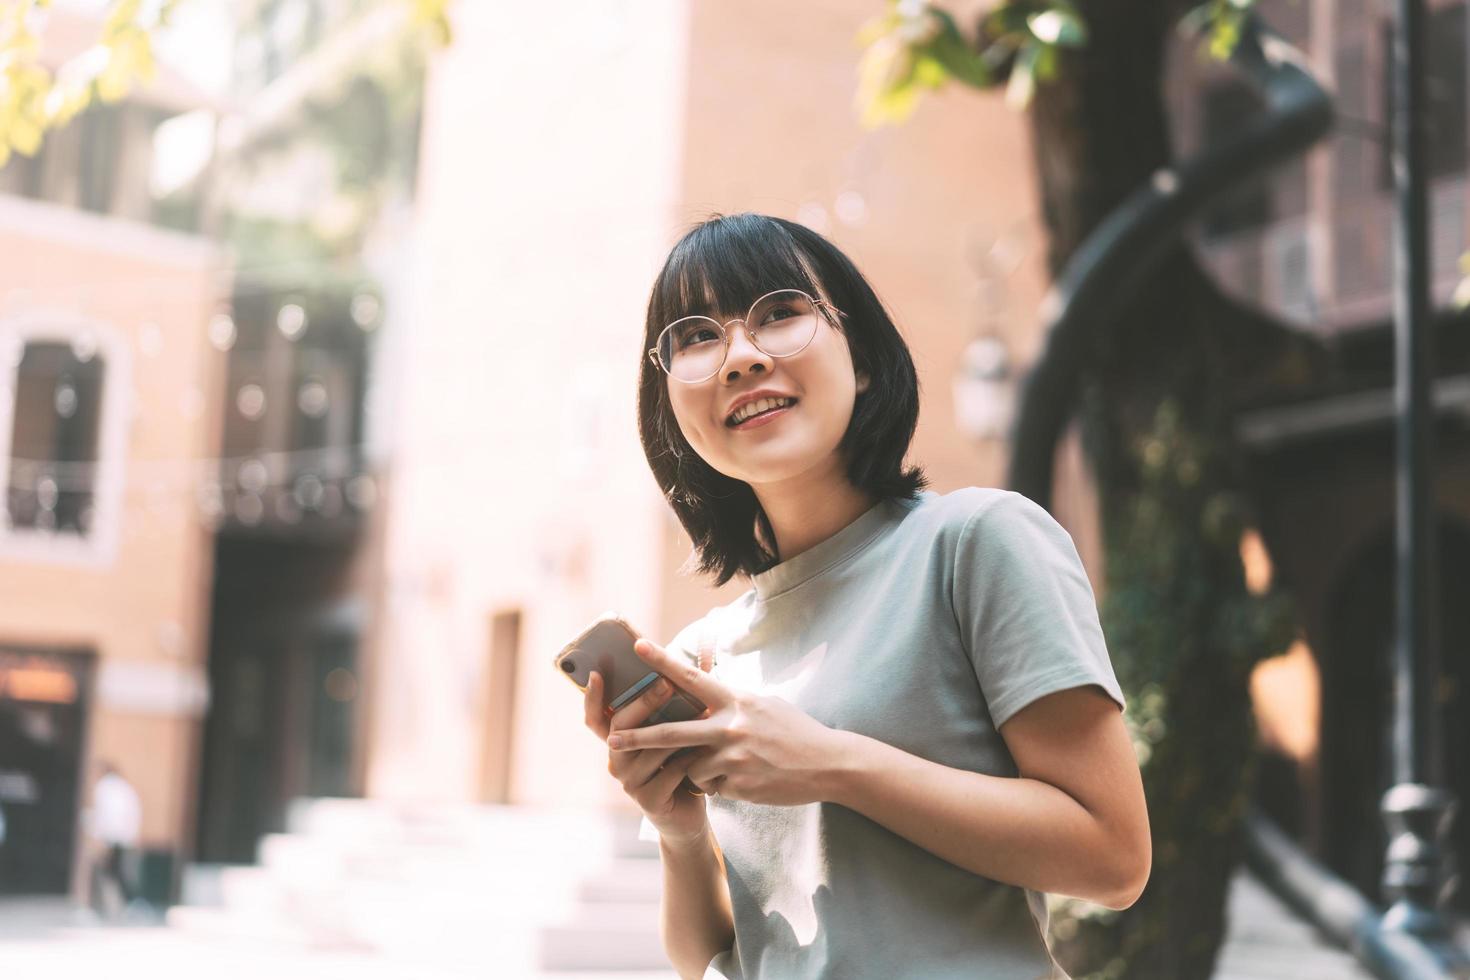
x=1444 y=90
x=54 y=438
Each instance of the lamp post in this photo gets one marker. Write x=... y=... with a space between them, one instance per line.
x=1416 y=810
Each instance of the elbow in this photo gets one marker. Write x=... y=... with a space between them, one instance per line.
x=1128 y=863
x=1126 y=880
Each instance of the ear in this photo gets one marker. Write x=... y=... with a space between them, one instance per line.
x=862 y=382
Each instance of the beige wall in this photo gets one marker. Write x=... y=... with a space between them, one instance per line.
x=544 y=200
x=141 y=602
x=552 y=186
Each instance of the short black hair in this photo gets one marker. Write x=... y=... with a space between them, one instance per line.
x=725 y=263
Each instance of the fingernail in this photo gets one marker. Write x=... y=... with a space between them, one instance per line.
x=663 y=687
x=615 y=741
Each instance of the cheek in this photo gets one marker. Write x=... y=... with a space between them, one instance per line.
x=690 y=419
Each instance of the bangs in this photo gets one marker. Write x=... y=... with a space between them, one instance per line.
x=723 y=266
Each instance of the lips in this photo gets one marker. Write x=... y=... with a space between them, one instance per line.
x=747 y=404
x=760 y=394
x=764 y=418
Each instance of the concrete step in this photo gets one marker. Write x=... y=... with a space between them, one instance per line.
x=227 y=925
x=250 y=891
x=199 y=884
x=626 y=880
x=489 y=890
x=592 y=946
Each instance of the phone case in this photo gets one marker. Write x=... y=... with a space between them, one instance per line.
x=607 y=647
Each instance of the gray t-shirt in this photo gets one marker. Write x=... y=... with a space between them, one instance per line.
x=925 y=624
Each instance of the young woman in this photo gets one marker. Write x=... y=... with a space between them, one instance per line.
x=913 y=727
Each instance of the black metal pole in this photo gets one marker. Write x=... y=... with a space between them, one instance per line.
x=1417 y=809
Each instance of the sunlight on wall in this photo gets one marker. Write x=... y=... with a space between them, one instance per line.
x=1287 y=694
x=1286 y=691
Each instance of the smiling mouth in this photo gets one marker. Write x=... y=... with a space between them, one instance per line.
x=730 y=422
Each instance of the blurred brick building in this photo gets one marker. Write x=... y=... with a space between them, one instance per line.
x=108 y=400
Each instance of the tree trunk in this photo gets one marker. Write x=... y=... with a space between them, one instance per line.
x=1156 y=416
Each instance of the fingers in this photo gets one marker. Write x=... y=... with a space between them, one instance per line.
x=707 y=771
x=637 y=711
x=592 y=713
x=673 y=734
x=664 y=784
x=634 y=771
x=683 y=673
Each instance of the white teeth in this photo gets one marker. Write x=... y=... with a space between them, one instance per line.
x=756 y=407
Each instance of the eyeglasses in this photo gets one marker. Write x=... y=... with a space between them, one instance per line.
x=779 y=324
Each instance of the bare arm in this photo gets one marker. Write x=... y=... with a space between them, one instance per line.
x=1073 y=823
x=697 y=920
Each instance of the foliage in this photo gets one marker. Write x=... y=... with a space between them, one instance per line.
x=33 y=100
x=1185 y=633
x=916 y=46
x=1218 y=23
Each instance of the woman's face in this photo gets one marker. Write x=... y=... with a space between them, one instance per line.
x=799 y=440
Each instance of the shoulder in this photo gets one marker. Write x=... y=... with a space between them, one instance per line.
x=983 y=512
x=984 y=528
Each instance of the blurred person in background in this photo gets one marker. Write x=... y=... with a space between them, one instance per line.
x=914 y=729
x=115 y=825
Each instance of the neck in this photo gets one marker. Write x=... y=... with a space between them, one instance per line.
x=805 y=512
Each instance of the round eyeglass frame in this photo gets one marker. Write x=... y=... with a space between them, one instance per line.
x=825 y=307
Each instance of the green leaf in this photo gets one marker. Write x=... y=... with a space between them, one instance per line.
x=24 y=134
x=886 y=90
x=1046 y=62
x=1462 y=293
x=879 y=27
x=1224 y=38
x=1197 y=20
x=951 y=49
x=929 y=71
x=1022 y=84
x=1057 y=27
x=1009 y=18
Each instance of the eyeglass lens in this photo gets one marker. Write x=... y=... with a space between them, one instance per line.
x=780 y=324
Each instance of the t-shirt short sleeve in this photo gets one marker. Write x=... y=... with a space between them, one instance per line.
x=1026 y=611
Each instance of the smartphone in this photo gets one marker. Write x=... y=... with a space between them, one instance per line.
x=607 y=647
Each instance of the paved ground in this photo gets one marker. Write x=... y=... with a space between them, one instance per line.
x=1265 y=941
x=49 y=940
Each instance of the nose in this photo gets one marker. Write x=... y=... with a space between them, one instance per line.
x=742 y=354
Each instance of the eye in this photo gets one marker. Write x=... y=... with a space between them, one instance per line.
x=780 y=313
x=691 y=336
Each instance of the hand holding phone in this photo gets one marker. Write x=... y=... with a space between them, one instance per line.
x=606 y=647
x=600 y=660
